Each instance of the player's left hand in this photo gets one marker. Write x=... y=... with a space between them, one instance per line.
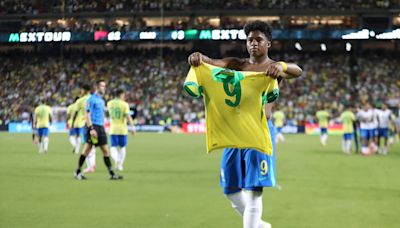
x=274 y=70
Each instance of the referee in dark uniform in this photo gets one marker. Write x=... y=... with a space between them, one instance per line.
x=95 y=132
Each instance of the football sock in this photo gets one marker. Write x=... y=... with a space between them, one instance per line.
x=108 y=165
x=78 y=145
x=72 y=140
x=82 y=159
x=45 y=143
x=122 y=155
x=114 y=154
x=238 y=202
x=253 y=209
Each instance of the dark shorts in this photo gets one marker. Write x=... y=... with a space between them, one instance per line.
x=101 y=136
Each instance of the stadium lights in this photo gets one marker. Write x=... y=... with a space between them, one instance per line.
x=360 y=35
x=348 y=46
x=298 y=46
x=323 y=47
x=395 y=34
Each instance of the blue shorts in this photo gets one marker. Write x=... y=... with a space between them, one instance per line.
x=383 y=132
x=43 y=132
x=324 y=130
x=118 y=140
x=248 y=168
x=367 y=133
x=279 y=129
x=347 y=136
x=76 y=131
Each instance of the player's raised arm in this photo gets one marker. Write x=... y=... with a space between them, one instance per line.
x=196 y=58
x=284 y=70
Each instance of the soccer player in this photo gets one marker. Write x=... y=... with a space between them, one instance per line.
x=239 y=166
x=366 y=118
x=119 y=112
x=323 y=119
x=279 y=120
x=42 y=120
x=384 y=120
x=95 y=132
x=78 y=123
x=74 y=133
x=347 y=118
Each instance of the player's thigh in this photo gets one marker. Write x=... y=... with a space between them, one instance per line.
x=259 y=169
x=114 y=140
x=231 y=175
x=122 y=140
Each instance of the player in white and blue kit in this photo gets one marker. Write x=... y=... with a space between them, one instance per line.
x=384 y=119
x=367 y=134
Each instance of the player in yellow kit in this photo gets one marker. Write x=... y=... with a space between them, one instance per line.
x=74 y=133
x=119 y=112
x=41 y=121
x=323 y=119
x=239 y=166
x=78 y=122
x=279 y=121
x=347 y=118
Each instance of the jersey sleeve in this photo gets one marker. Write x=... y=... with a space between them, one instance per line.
x=271 y=90
x=192 y=85
x=88 y=104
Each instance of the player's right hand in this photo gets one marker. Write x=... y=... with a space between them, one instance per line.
x=93 y=133
x=195 y=59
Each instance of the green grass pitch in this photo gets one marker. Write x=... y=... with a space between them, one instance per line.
x=171 y=182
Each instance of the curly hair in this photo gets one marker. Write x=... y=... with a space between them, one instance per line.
x=260 y=26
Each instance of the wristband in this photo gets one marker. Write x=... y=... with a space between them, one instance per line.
x=284 y=66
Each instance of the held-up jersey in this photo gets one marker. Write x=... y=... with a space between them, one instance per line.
x=234 y=106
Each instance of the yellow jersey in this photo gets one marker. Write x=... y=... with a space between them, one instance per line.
x=279 y=118
x=322 y=117
x=234 y=106
x=42 y=114
x=347 y=119
x=118 y=110
x=80 y=108
x=71 y=113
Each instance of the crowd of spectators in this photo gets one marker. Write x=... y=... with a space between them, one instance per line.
x=155 y=87
x=74 y=6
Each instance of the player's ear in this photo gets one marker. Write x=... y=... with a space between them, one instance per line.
x=268 y=43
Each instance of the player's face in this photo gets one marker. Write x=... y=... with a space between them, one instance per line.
x=101 y=87
x=257 y=43
x=122 y=96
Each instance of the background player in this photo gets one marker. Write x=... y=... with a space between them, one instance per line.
x=74 y=133
x=95 y=132
x=384 y=120
x=348 y=118
x=279 y=120
x=119 y=112
x=78 y=122
x=323 y=120
x=366 y=118
x=42 y=120
x=249 y=203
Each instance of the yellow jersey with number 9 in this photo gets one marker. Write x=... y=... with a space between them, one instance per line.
x=234 y=106
x=118 y=110
x=42 y=113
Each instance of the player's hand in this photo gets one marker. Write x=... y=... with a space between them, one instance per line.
x=195 y=59
x=93 y=133
x=274 y=70
x=133 y=130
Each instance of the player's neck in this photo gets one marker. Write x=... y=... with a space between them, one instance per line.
x=258 y=59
